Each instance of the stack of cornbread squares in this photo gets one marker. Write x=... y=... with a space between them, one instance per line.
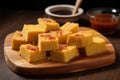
x=63 y=43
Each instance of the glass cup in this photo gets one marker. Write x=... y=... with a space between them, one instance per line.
x=104 y=20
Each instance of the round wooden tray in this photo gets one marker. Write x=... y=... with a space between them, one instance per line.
x=19 y=65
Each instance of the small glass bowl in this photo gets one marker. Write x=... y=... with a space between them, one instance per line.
x=104 y=20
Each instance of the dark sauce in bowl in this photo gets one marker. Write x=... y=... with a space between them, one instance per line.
x=62 y=12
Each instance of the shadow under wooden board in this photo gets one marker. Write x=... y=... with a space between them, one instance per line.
x=19 y=65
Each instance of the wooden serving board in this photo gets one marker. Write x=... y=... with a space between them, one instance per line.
x=19 y=65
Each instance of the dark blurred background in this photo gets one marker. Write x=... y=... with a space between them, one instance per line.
x=41 y=4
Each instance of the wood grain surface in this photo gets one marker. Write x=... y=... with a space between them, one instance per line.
x=19 y=65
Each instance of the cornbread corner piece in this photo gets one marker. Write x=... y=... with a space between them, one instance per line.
x=31 y=53
x=80 y=39
x=95 y=33
x=61 y=35
x=48 y=24
x=97 y=48
x=70 y=26
x=17 y=40
x=64 y=53
x=30 y=32
x=47 y=42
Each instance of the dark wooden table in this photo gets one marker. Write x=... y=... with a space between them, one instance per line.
x=11 y=20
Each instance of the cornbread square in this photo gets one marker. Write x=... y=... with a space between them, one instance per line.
x=80 y=39
x=47 y=42
x=30 y=32
x=94 y=32
x=31 y=53
x=64 y=54
x=70 y=26
x=17 y=40
x=97 y=48
x=48 y=24
x=61 y=35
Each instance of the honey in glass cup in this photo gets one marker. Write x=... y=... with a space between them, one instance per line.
x=104 y=20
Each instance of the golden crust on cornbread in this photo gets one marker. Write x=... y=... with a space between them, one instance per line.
x=64 y=53
x=48 y=24
x=80 y=39
x=61 y=35
x=31 y=53
x=17 y=40
x=96 y=48
x=70 y=26
x=30 y=32
x=47 y=42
